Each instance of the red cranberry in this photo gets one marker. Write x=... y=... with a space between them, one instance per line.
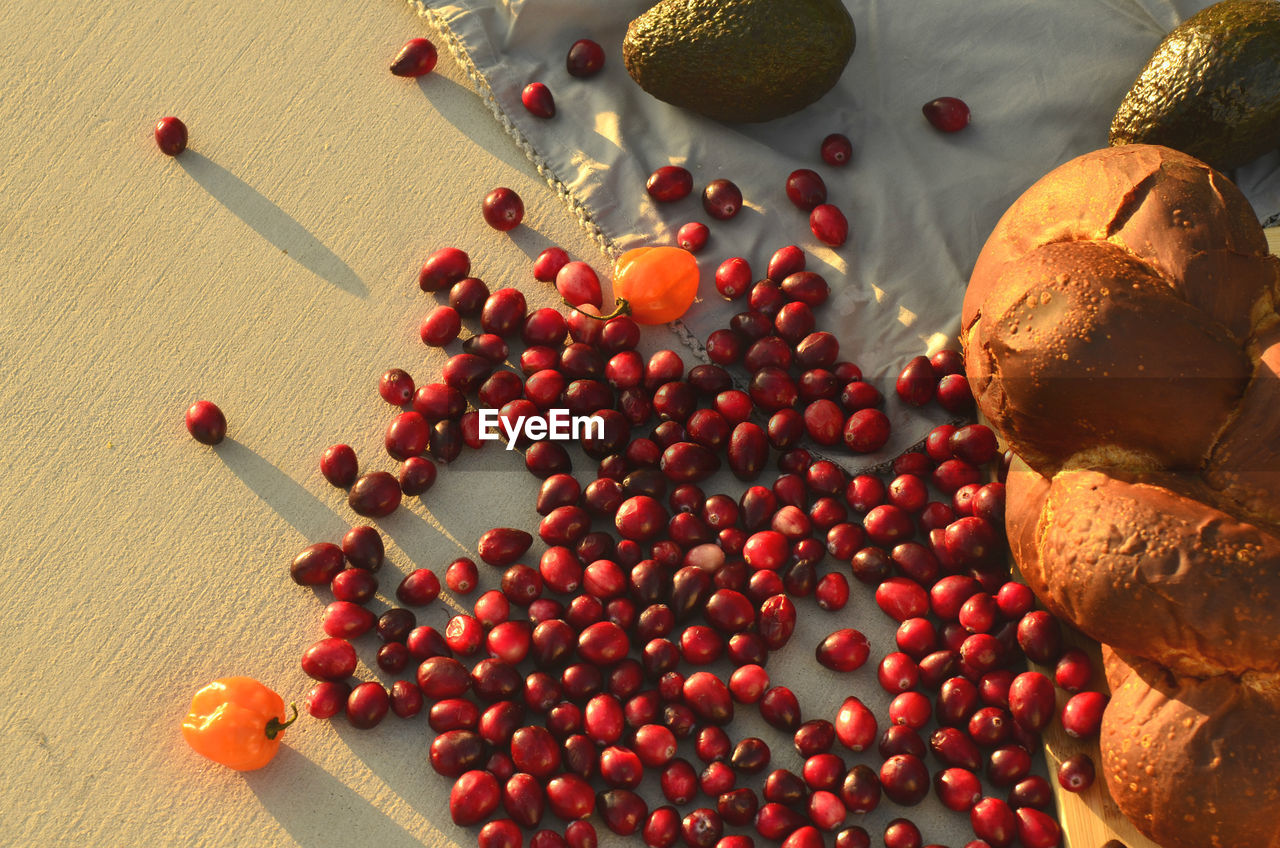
x=503 y=209
x=958 y=789
x=537 y=98
x=171 y=136
x=578 y=283
x=993 y=821
x=901 y=833
x=580 y=834
x=916 y=383
x=829 y=225
x=721 y=199
x=905 y=779
x=866 y=431
x=1074 y=669
x=1033 y=791
x=836 y=150
x=1037 y=829
x=205 y=421
x=316 y=564
x=329 y=659
x=776 y=821
x=679 y=782
x=417 y=58
x=901 y=739
x=855 y=725
x=327 y=698
x=443 y=268
x=806 y=189
x=953 y=747
x=570 y=797
x=911 y=709
x=1082 y=714
x=990 y=727
x=474 y=796
x=585 y=58
x=750 y=755
x=748 y=683
x=844 y=650
x=1076 y=773
x=901 y=599
x=1008 y=764
x=693 y=236
x=1040 y=637
x=669 y=183
x=954 y=395
x=356 y=585
x=947 y=114
x=662 y=828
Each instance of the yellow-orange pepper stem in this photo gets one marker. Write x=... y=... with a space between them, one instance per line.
x=238 y=722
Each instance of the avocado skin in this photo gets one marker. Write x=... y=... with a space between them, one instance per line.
x=1212 y=87
x=739 y=60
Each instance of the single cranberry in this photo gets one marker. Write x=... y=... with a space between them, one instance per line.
x=702 y=828
x=1037 y=829
x=866 y=431
x=580 y=834
x=721 y=199
x=836 y=150
x=829 y=225
x=1008 y=764
x=417 y=58
x=947 y=114
x=537 y=98
x=585 y=58
x=443 y=268
x=748 y=683
x=844 y=650
x=902 y=833
x=990 y=727
x=205 y=421
x=855 y=725
x=669 y=183
x=994 y=821
x=171 y=135
x=328 y=698
x=679 y=782
x=957 y=788
x=905 y=779
x=1082 y=714
x=503 y=209
x=1040 y=637
x=1074 y=669
x=1076 y=773
x=750 y=755
x=806 y=189
x=693 y=236
x=777 y=821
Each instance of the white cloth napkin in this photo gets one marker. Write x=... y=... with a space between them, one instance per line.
x=1042 y=80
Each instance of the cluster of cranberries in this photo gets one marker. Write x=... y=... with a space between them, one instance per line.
x=558 y=691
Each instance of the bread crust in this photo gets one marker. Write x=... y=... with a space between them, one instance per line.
x=1120 y=331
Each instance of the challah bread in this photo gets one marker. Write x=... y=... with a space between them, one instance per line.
x=1193 y=758
x=1120 y=331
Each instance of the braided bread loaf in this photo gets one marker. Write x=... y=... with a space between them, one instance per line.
x=1120 y=332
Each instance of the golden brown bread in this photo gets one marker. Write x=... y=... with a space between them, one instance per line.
x=1194 y=759
x=1120 y=331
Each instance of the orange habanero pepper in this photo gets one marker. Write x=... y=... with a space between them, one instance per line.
x=236 y=721
x=655 y=284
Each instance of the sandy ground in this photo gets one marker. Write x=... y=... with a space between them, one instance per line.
x=271 y=268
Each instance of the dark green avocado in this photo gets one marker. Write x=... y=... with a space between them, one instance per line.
x=739 y=60
x=1212 y=88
